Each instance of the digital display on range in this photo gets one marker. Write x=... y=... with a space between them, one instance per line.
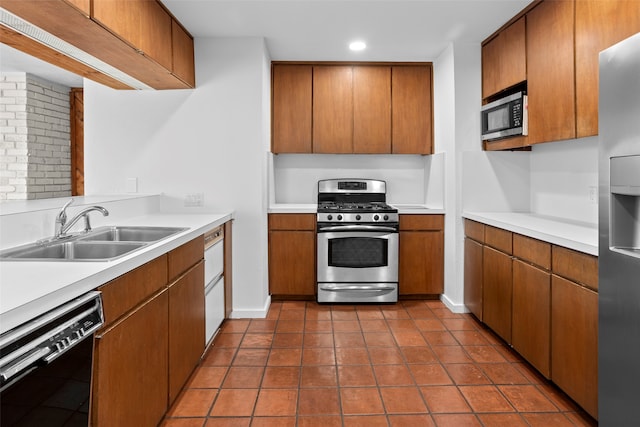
x=352 y=185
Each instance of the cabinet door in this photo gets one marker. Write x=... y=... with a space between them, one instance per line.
x=473 y=277
x=183 y=55
x=130 y=368
x=186 y=327
x=599 y=24
x=491 y=67
x=122 y=294
x=551 y=71
x=531 y=321
x=574 y=342
x=421 y=263
x=504 y=61
x=292 y=254
x=184 y=257
x=372 y=109
x=143 y=23
x=497 y=279
x=292 y=262
x=576 y=266
x=291 y=104
x=332 y=109
x=411 y=110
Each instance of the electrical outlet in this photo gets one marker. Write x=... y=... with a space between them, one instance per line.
x=593 y=194
x=193 y=200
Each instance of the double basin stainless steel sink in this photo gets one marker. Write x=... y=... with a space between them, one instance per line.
x=101 y=244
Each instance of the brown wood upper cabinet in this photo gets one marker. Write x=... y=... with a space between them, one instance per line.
x=352 y=109
x=412 y=109
x=138 y=37
x=372 y=109
x=291 y=108
x=143 y=24
x=563 y=39
x=332 y=109
x=504 y=61
x=550 y=74
x=599 y=24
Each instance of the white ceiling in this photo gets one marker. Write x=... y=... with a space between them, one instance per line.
x=320 y=30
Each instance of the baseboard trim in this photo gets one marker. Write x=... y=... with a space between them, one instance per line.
x=243 y=313
x=456 y=308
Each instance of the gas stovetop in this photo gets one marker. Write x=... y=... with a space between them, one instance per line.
x=355 y=207
x=354 y=201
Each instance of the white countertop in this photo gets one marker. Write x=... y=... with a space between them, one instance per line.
x=32 y=288
x=579 y=236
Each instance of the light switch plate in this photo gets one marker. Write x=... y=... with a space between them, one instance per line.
x=132 y=185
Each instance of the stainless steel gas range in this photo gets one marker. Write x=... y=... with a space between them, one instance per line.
x=357 y=242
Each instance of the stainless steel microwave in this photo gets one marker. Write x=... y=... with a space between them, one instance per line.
x=505 y=117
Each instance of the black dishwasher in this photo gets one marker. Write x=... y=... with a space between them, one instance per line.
x=45 y=366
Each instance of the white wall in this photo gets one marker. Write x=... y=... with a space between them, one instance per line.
x=296 y=175
x=211 y=140
x=444 y=117
x=561 y=176
x=496 y=181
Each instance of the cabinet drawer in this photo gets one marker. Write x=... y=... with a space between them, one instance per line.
x=532 y=250
x=214 y=308
x=185 y=256
x=474 y=230
x=213 y=262
x=127 y=291
x=577 y=266
x=499 y=239
x=421 y=222
x=292 y=222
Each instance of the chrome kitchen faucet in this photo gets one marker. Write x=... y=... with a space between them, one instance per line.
x=62 y=226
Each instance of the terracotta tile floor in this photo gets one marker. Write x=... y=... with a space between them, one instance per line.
x=414 y=363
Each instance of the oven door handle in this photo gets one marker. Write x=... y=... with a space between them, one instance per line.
x=333 y=288
x=357 y=228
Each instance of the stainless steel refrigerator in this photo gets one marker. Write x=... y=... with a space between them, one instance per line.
x=619 y=235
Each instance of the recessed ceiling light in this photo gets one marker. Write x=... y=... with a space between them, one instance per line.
x=356 y=46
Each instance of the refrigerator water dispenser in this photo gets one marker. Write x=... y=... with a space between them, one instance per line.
x=625 y=205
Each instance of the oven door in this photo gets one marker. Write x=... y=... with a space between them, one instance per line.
x=357 y=254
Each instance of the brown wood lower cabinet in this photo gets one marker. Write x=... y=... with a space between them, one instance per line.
x=292 y=255
x=574 y=342
x=497 y=279
x=130 y=368
x=186 y=327
x=421 y=258
x=473 y=277
x=152 y=340
x=531 y=319
x=541 y=299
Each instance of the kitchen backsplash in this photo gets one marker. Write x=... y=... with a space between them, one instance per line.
x=410 y=179
x=556 y=179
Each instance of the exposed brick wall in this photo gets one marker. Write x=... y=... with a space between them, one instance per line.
x=35 y=156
